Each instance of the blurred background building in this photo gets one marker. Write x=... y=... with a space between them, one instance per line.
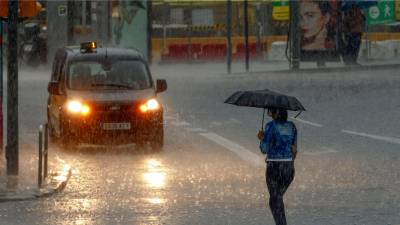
x=182 y=30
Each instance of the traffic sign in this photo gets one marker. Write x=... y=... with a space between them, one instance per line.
x=382 y=13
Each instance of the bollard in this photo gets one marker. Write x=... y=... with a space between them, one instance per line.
x=43 y=154
x=40 y=156
x=46 y=147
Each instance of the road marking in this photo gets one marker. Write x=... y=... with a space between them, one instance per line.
x=307 y=122
x=376 y=137
x=174 y=121
x=216 y=124
x=180 y=123
x=196 y=130
x=327 y=151
x=242 y=152
x=233 y=120
x=228 y=122
x=170 y=117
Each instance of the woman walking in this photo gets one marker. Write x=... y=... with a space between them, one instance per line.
x=279 y=143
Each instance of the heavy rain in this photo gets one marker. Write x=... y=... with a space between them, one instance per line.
x=113 y=112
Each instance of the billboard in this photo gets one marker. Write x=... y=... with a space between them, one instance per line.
x=319 y=30
x=130 y=24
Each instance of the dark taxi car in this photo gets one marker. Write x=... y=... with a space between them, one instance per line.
x=104 y=95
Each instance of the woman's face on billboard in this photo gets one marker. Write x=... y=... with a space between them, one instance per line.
x=312 y=21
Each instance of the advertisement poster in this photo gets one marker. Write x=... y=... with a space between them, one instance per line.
x=319 y=30
x=129 y=24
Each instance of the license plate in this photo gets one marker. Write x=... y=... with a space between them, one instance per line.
x=116 y=126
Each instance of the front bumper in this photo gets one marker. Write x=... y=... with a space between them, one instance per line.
x=91 y=128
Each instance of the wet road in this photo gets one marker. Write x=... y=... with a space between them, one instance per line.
x=211 y=172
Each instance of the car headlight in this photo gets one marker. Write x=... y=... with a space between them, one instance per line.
x=77 y=107
x=150 y=105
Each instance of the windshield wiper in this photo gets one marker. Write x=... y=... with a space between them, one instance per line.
x=112 y=85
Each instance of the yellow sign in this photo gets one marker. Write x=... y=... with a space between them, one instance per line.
x=280 y=13
x=280 y=10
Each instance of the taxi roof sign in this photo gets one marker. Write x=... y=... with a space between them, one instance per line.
x=88 y=46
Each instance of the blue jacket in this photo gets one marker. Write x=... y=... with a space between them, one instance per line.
x=278 y=139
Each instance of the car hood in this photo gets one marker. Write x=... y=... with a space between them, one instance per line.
x=111 y=96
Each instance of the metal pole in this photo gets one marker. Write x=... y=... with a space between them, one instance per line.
x=246 y=32
x=294 y=36
x=109 y=24
x=164 y=43
x=46 y=148
x=259 y=30
x=229 y=35
x=165 y=22
x=12 y=90
x=149 y=32
x=40 y=164
x=83 y=13
x=1 y=88
x=367 y=42
x=190 y=32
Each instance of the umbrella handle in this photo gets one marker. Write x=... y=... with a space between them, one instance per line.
x=262 y=123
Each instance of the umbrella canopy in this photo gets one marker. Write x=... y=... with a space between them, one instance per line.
x=265 y=99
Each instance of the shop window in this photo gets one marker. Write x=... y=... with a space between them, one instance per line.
x=177 y=16
x=202 y=17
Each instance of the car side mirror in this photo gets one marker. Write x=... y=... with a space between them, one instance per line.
x=54 y=88
x=161 y=85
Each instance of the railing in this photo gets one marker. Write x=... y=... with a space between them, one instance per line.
x=43 y=154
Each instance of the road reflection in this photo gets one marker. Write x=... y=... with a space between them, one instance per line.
x=156 y=201
x=83 y=222
x=155 y=177
x=156 y=174
x=62 y=175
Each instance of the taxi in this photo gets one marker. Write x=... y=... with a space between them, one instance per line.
x=104 y=95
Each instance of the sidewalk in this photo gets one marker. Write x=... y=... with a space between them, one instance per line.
x=25 y=187
x=281 y=66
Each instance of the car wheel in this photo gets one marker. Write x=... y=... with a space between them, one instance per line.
x=157 y=142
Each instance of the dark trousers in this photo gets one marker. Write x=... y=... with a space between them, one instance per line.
x=279 y=175
x=352 y=48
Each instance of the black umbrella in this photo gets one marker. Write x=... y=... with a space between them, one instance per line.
x=265 y=99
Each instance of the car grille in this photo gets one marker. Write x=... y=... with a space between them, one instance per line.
x=114 y=107
x=115 y=112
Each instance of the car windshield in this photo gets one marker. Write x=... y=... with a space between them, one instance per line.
x=122 y=74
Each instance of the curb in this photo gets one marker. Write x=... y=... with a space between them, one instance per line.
x=54 y=184
x=326 y=69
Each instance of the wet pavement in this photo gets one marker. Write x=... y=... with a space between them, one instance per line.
x=135 y=186
x=210 y=171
